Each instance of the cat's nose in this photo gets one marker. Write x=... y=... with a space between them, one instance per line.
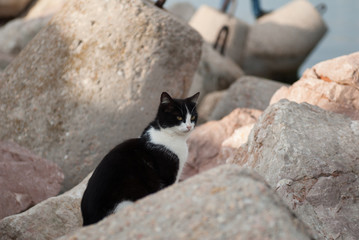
x=189 y=127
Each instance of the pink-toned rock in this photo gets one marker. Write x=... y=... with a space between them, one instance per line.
x=47 y=220
x=230 y=146
x=332 y=85
x=342 y=70
x=25 y=179
x=206 y=140
x=311 y=158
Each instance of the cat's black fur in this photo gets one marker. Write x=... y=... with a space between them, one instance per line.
x=136 y=167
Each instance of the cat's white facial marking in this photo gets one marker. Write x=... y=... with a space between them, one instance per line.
x=188 y=125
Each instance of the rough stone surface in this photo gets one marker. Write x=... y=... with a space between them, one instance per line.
x=246 y=92
x=25 y=179
x=92 y=78
x=183 y=10
x=225 y=203
x=278 y=42
x=208 y=104
x=205 y=141
x=215 y=72
x=11 y=8
x=332 y=85
x=47 y=220
x=310 y=156
x=16 y=34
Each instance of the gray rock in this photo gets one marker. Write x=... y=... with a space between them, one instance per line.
x=225 y=203
x=279 y=42
x=246 y=92
x=47 y=220
x=208 y=104
x=310 y=156
x=5 y=59
x=92 y=78
x=183 y=10
x=16 y=34
x=25 y=179
x=215 y=72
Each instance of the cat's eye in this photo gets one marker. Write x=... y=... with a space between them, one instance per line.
x=193 y=117
x=179 y=118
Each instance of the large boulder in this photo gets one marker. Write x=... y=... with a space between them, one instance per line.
x=310 y=157
x=332 y=85
x=246 y=92
x=25 y=179
x=92 y=78
x=12 y=8
x=204 y=143
x=47 y=220
x=280 y=41
x=225 y=203
x=215 y=72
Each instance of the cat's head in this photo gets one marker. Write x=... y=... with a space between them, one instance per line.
x=177 y=115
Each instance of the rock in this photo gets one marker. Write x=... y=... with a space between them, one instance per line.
x=47 y=220
x=15 y=35
x=208 y=103
x=5 y=59
x=279 y=42
x=183 y=10
x=12 y=8
x=92 y=78
x=310 y=156
x=229 y=147
x=332 y=85
x=246 y=92
x=214 y=72
x=209 y=22
x=225 y=203
x=25 y=179
x=342 y=70
x=205 y=141
x=44 y=8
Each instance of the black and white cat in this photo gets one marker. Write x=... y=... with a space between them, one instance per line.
x=141 y=166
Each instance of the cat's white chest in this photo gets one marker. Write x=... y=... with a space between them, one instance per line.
x=175 y=143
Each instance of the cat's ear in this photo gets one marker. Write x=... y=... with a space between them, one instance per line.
x=194 y=98
x=165 y=98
